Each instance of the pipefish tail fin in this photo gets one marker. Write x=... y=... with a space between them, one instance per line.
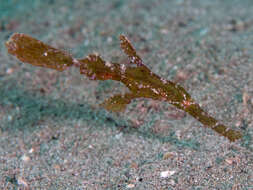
x=129 y=50
x=37 y=53
x=231 y=134
x=197 y=112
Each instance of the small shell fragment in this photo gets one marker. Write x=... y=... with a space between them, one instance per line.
x=166 y=174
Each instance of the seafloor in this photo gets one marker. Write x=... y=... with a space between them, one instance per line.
x=53 y=134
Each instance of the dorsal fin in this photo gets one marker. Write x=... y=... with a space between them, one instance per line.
x=128 y=49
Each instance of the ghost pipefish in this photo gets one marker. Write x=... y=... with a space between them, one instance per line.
x=140 y=80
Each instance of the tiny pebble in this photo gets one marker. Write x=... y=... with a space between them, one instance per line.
x=164 y=31
x=21 y=181
x=168 y=155
x=57 y=167
x=167 y=173
x=118 y=136
x=9 y=117
x=130 y=186
x=25 y=158
x=31 y=150
x=229 y=161
x=9 y=71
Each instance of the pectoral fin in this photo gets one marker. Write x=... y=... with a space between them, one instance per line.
x=128 y=49
x=118 y=102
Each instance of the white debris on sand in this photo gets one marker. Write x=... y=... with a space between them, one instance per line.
x=168 y=173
